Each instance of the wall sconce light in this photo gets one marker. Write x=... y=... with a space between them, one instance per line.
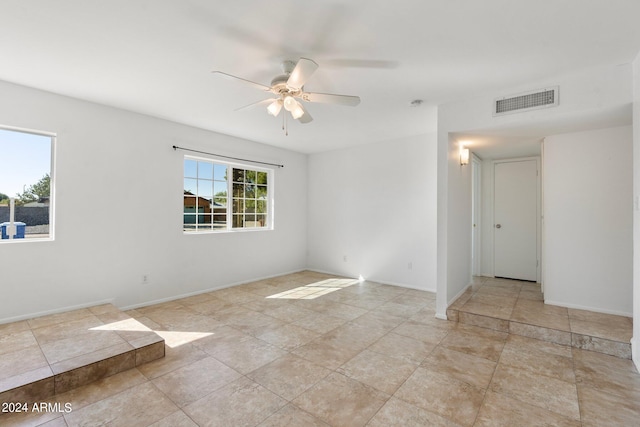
x=464 y=156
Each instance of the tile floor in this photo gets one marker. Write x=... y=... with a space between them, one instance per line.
x=309 y=349
x=518 y=308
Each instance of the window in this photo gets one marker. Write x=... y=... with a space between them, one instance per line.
x=223 y=196
x=25 y=185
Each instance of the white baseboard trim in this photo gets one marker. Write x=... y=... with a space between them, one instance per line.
x=204 y=291
x=373 y=279
x=582 y=307
x=458 y=295
x=54 y=311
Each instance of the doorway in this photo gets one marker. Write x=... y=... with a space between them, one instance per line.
x=516 y=227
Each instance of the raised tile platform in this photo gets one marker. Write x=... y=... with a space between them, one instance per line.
x=52 y=354
x=518 y=308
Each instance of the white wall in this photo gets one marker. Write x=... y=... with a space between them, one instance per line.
x=635 y=342
x=118 y=212
x=588 y=220
x=376 y=205
x=588 y=98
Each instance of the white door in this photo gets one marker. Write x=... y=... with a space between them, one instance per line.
x=516 y=219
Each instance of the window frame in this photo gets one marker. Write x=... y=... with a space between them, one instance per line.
x=229 y=228
x=52 y=180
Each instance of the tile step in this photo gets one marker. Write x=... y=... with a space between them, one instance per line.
x=585 y=342
x=128 y=344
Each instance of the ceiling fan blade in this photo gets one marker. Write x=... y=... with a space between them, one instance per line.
x=255 y=104
x=301 y=73
x=254 y=84
x=329 y=98
x=306 y=117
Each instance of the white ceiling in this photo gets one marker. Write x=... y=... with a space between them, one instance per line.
x=155 y=56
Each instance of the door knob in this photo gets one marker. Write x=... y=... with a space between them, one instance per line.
x=498 y=226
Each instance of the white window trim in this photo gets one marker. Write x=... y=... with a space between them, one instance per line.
x=270 y=196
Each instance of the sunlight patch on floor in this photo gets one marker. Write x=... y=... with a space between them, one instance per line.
x=171 y=338
x=315 y=290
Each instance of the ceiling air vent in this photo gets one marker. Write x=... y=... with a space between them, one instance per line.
x=533 y=100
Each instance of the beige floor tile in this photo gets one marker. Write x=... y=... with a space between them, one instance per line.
x=289 y=312
x=545 y=392
x=11 y=328
x=540 y=307
x=540 y=333
x=397 y=413
x=470 y=342
x=210 y=306
x=476 y=307
x=473 y=370
x=177 y=419
x=289 y=376
x=368 y=302
x=341 y=401
x=18 y=362
x=442 y=394
x=53 y=319
x=188 y=384
x=246 y=355
x=101 y=389
x=16 y=341
x=421 y=332
x=290 y=416
x=499 y=410
x=241 y=403
x=428 y=317
x=599 y=408
x=553 y=366
x=614 y=331
x=288 y=337
x=68 y=348
x=495 y=300
x=607 y=373
x=379 y=371
x=173 y=359
x=320 y=323
x=326 y=352
x=378 y=320
x=531 y=345
x=498 y=291
x=397 y=309
x=141 y=405
x=551 y=321
x=401 y=347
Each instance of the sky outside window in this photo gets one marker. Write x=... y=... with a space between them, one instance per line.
x=24 y=159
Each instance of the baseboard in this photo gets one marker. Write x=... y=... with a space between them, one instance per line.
x=595 y=309
x=458 y=294
x=54 y=311
x=635 y=352
x=373 y=279
x=204 y=291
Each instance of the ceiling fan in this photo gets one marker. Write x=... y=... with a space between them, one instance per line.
x=288 y=89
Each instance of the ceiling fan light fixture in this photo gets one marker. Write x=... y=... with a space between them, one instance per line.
x=275 y=107
x=290 y=103
x=297 y=111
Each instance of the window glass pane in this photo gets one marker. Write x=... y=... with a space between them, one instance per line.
x=189 y=204
x=250 y=176
x=205 y=189
x=261 y=220
x=261 y=206
x=220 y=189
x=261 y=192
x=238 y=190
x=220 y=172
x=220 y=201
x=237 y=221
x=190 y=168
x=205 y=170
x=25 y=175
x=190 y=186
x=262 y=178
x=238 y=175
x=238 y=205
x=204 y=220
x=250 y=191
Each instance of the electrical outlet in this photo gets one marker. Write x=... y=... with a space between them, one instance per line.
x=145 y=279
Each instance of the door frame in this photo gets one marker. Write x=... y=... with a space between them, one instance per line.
x=476 y=216
x=538 y=211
